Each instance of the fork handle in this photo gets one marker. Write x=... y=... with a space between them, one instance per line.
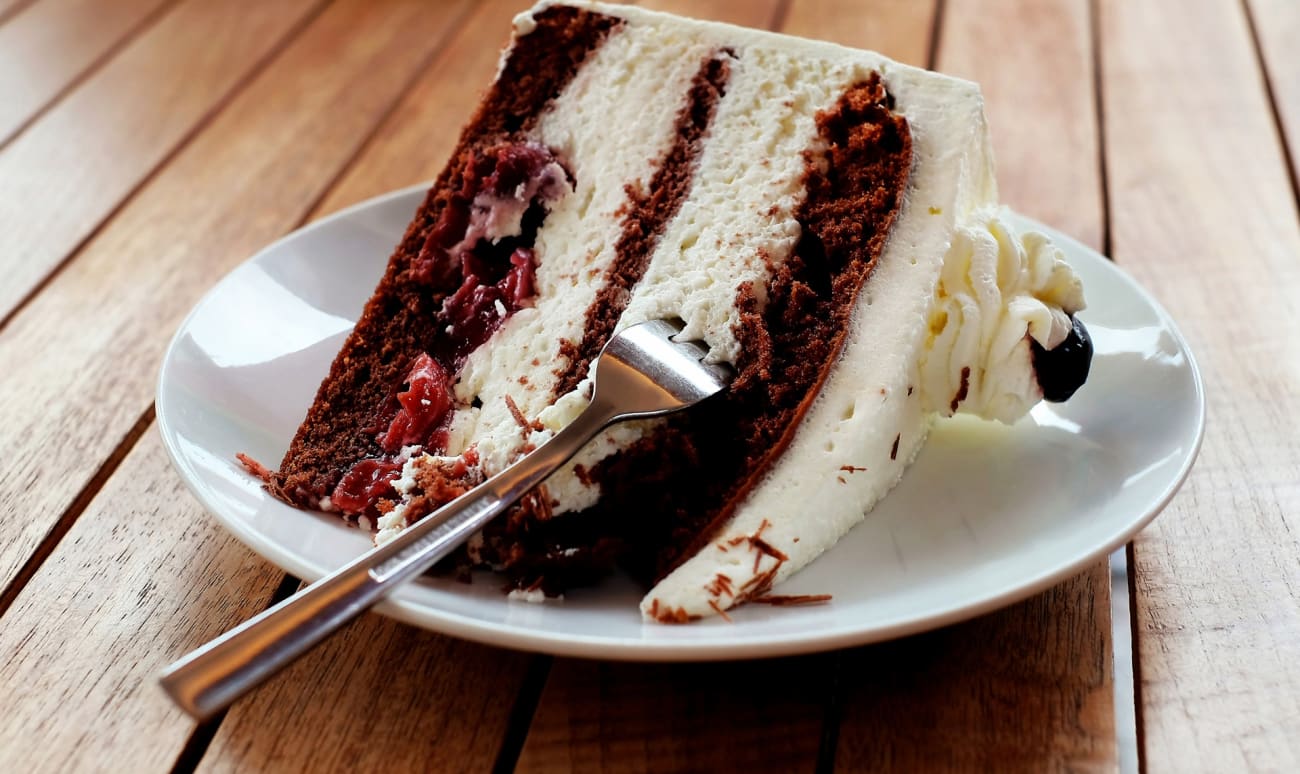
x=208 y=679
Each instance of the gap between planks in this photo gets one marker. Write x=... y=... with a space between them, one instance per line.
x=1289 y=154
x=1124 y=646
x=195 y=747
x=74 y=510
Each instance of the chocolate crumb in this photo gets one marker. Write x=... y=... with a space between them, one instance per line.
x=893 y=453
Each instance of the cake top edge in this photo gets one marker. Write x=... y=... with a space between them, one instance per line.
x=737 y=35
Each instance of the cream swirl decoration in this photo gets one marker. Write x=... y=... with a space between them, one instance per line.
x=997 y=290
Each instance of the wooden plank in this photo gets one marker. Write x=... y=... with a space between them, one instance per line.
x=899 y=29
x=740 y=716
x=386 y=696
x=251 y=176
x=46 y=46
x=143 y=576
x=1276 y=24
x=1203 y=215
x=1012 y=691
x=190 y=62
x=1041 y=104
x=1044 y=664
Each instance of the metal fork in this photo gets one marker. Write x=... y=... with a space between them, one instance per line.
x=641 y=372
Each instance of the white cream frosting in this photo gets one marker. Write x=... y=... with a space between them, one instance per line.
x=997 y=290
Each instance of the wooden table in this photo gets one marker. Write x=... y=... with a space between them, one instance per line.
x=149 y=146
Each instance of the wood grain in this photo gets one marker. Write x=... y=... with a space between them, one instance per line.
x=250 y=177
x=1041 y=104
x=1203 y=215
x=48 y=45
x=1276 y=25
x=186 y=65
x=741 y=716
x=383 y=696
x=899 y=29
x=1025 y=689
x=1042 y=698
x=9 y=8
x=142 y=577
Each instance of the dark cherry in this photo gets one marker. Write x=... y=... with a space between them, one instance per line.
x=516 y=164
x=471 y=312
x=424 y=405
x=499 y=172
x=1064 y=369
x=364 y=485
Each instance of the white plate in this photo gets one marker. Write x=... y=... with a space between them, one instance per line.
x=988 y=514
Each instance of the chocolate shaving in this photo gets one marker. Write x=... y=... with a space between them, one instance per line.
x=790 y=600
x=676 y=615
x=254 y=467
x=718 y=609
x=961 y=390
x=518 y=415
x=721 y=584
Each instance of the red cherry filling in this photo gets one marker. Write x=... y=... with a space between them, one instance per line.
x=511 y=179
x=480 y=245
x=423 y=405
x=421 y=414
x=479 y=306
x=364 y=485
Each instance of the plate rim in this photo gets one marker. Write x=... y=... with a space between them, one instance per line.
x=615 y=648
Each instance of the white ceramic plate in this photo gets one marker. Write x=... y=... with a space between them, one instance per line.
x=988 y=514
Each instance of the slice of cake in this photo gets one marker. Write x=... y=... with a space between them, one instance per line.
x=823 y=219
